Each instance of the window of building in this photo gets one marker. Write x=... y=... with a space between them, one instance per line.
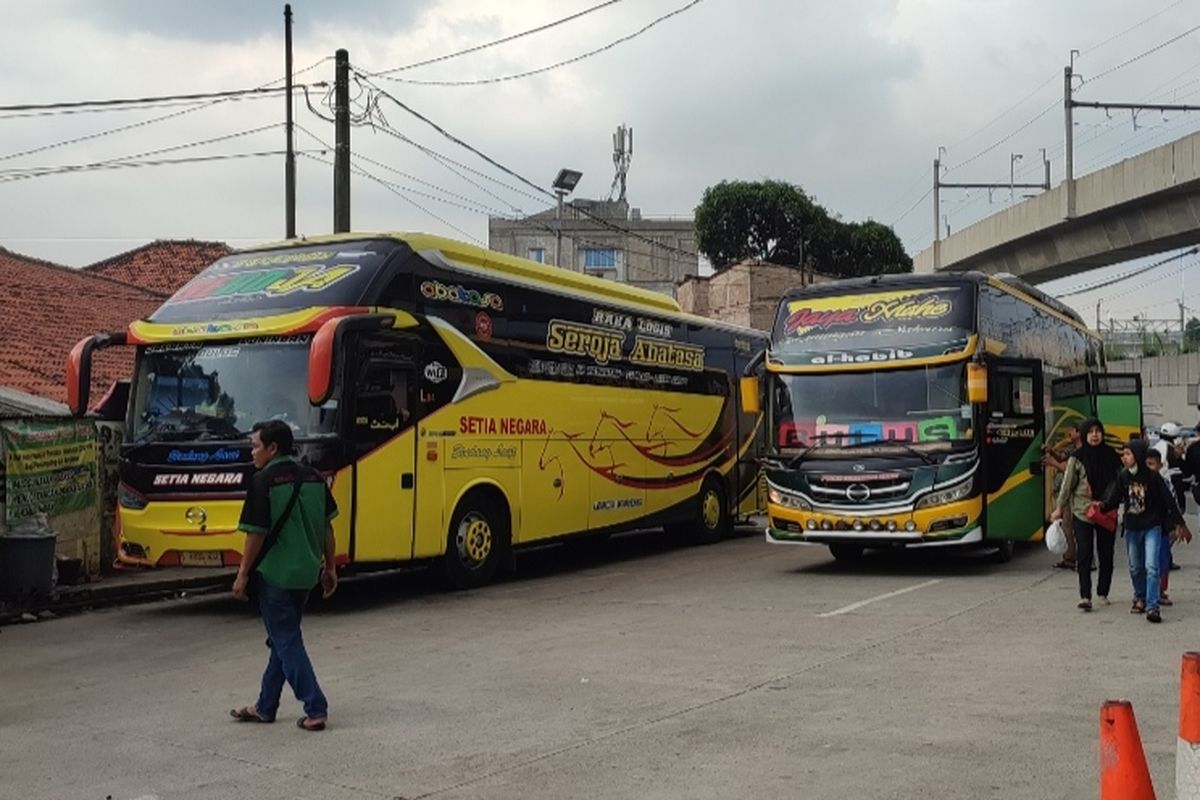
x=610 y=274
x=537 y=254
x=598 y=258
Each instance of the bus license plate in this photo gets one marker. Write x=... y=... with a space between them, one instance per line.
x=200 y=558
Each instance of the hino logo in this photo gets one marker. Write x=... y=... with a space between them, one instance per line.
x=858 y=493
x=859 y=467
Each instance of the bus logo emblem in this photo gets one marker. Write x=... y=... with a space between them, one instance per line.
x=858 y=493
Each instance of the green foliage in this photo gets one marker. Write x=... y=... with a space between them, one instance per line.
x=777 y=222
x=1191 y=336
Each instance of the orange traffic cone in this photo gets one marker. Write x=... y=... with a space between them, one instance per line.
x=1187 y=753
x=1123 y=771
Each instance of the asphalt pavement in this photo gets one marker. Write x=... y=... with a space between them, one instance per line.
x=636 y=669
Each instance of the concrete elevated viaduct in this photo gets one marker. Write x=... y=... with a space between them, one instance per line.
x=1138 y=207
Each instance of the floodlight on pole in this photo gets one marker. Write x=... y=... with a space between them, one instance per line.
x=564 y=184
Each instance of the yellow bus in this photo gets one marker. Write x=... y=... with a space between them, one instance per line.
x=462 y=404
x=911 y=410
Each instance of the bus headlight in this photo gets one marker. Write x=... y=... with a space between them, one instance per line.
x=951 y=494
x=787 y=499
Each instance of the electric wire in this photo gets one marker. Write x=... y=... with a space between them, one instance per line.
x=528 y=73
x=506 y=170
x=1142 y=55
x=1126 y=276
x=494 y=43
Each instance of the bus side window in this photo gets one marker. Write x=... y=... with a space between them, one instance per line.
x=381 y=403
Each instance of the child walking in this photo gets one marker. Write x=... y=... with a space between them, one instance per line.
x=1149 y=511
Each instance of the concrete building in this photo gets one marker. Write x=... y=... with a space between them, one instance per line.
x=605 y=238
x=744 y=294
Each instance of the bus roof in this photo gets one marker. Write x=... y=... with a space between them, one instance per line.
x=544 y=275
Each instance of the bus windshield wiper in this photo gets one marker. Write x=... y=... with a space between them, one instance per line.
x=790 y=462
x=928 y=459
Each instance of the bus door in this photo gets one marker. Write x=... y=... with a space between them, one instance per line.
x=1012 y=449
x=1119 y=405
x=382 y=430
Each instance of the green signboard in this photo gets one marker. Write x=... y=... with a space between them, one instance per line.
x=50 y=467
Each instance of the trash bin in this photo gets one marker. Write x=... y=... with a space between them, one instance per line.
x=27 y=560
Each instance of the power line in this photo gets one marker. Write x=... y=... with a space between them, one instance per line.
x=33 y=172
x=505 y=40
x=143 y=101
x=106 y=165
x=549 y=67
x=480 y=82
x=1143 y=54
x=143 y=123
x=1127 y=275
x=599 y=220
x=1133 y=27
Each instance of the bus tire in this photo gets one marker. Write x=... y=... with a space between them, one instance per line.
x=1003 y=552
x=713 y=521
x=848 y=553
x=476 y=541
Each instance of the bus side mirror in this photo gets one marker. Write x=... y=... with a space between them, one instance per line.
x=328 y=344
x=79 y=369
x=750 y=403
x=977 y=384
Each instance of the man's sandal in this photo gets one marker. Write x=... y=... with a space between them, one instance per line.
x=248 y=714
x=310 y=724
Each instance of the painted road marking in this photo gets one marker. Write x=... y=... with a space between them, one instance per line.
x=868 y=601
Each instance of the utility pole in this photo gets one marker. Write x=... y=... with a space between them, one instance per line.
x=341 y=150
x=289 y=164
x=1070 y=103
x=937 y=219
x=558 y=228
x=1069 y=168
x=1013 y=158
x=1097 y=316
x=939 y=184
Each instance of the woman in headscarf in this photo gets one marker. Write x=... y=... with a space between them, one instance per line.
x=1149 y=512
x=1091 y=470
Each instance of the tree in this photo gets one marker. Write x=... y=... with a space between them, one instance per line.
x=777 y=222
x=1191 y=335
x=737 y=220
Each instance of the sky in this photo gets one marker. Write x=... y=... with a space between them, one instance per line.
x=849 y=100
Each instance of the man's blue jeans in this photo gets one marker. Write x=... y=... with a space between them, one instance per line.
x=1145 y=548
x=281 y=611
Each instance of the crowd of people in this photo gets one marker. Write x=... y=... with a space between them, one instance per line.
x=1149 y=484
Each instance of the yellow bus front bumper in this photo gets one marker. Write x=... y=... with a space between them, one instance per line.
x=191 y=533
x=954 y=522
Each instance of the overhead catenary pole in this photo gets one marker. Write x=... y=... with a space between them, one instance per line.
x=1069 y=143
x=341 y=150
x=937 y=220
x=289 y=164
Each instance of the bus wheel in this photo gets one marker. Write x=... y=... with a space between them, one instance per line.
x=1003 y=552
x=846 y=552
x=713 y=520
x=475 y=543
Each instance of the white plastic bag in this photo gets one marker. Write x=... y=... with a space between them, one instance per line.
x=1056 y=538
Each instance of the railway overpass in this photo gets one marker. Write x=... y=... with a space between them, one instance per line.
x=1137 y=207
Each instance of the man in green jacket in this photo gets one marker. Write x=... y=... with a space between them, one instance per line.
x=300 y=557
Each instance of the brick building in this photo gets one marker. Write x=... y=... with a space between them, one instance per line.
x=744 y=294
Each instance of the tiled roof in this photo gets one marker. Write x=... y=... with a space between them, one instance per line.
x=46 y=308
x=161 y=266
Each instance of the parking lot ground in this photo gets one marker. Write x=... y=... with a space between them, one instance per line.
x=636 y=669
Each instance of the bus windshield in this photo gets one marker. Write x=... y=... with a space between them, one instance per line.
x=922 y=405
x=219 y=390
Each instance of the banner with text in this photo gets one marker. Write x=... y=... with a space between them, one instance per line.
x=50 y=467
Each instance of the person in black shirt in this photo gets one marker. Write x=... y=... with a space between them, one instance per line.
x=1149 y=511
